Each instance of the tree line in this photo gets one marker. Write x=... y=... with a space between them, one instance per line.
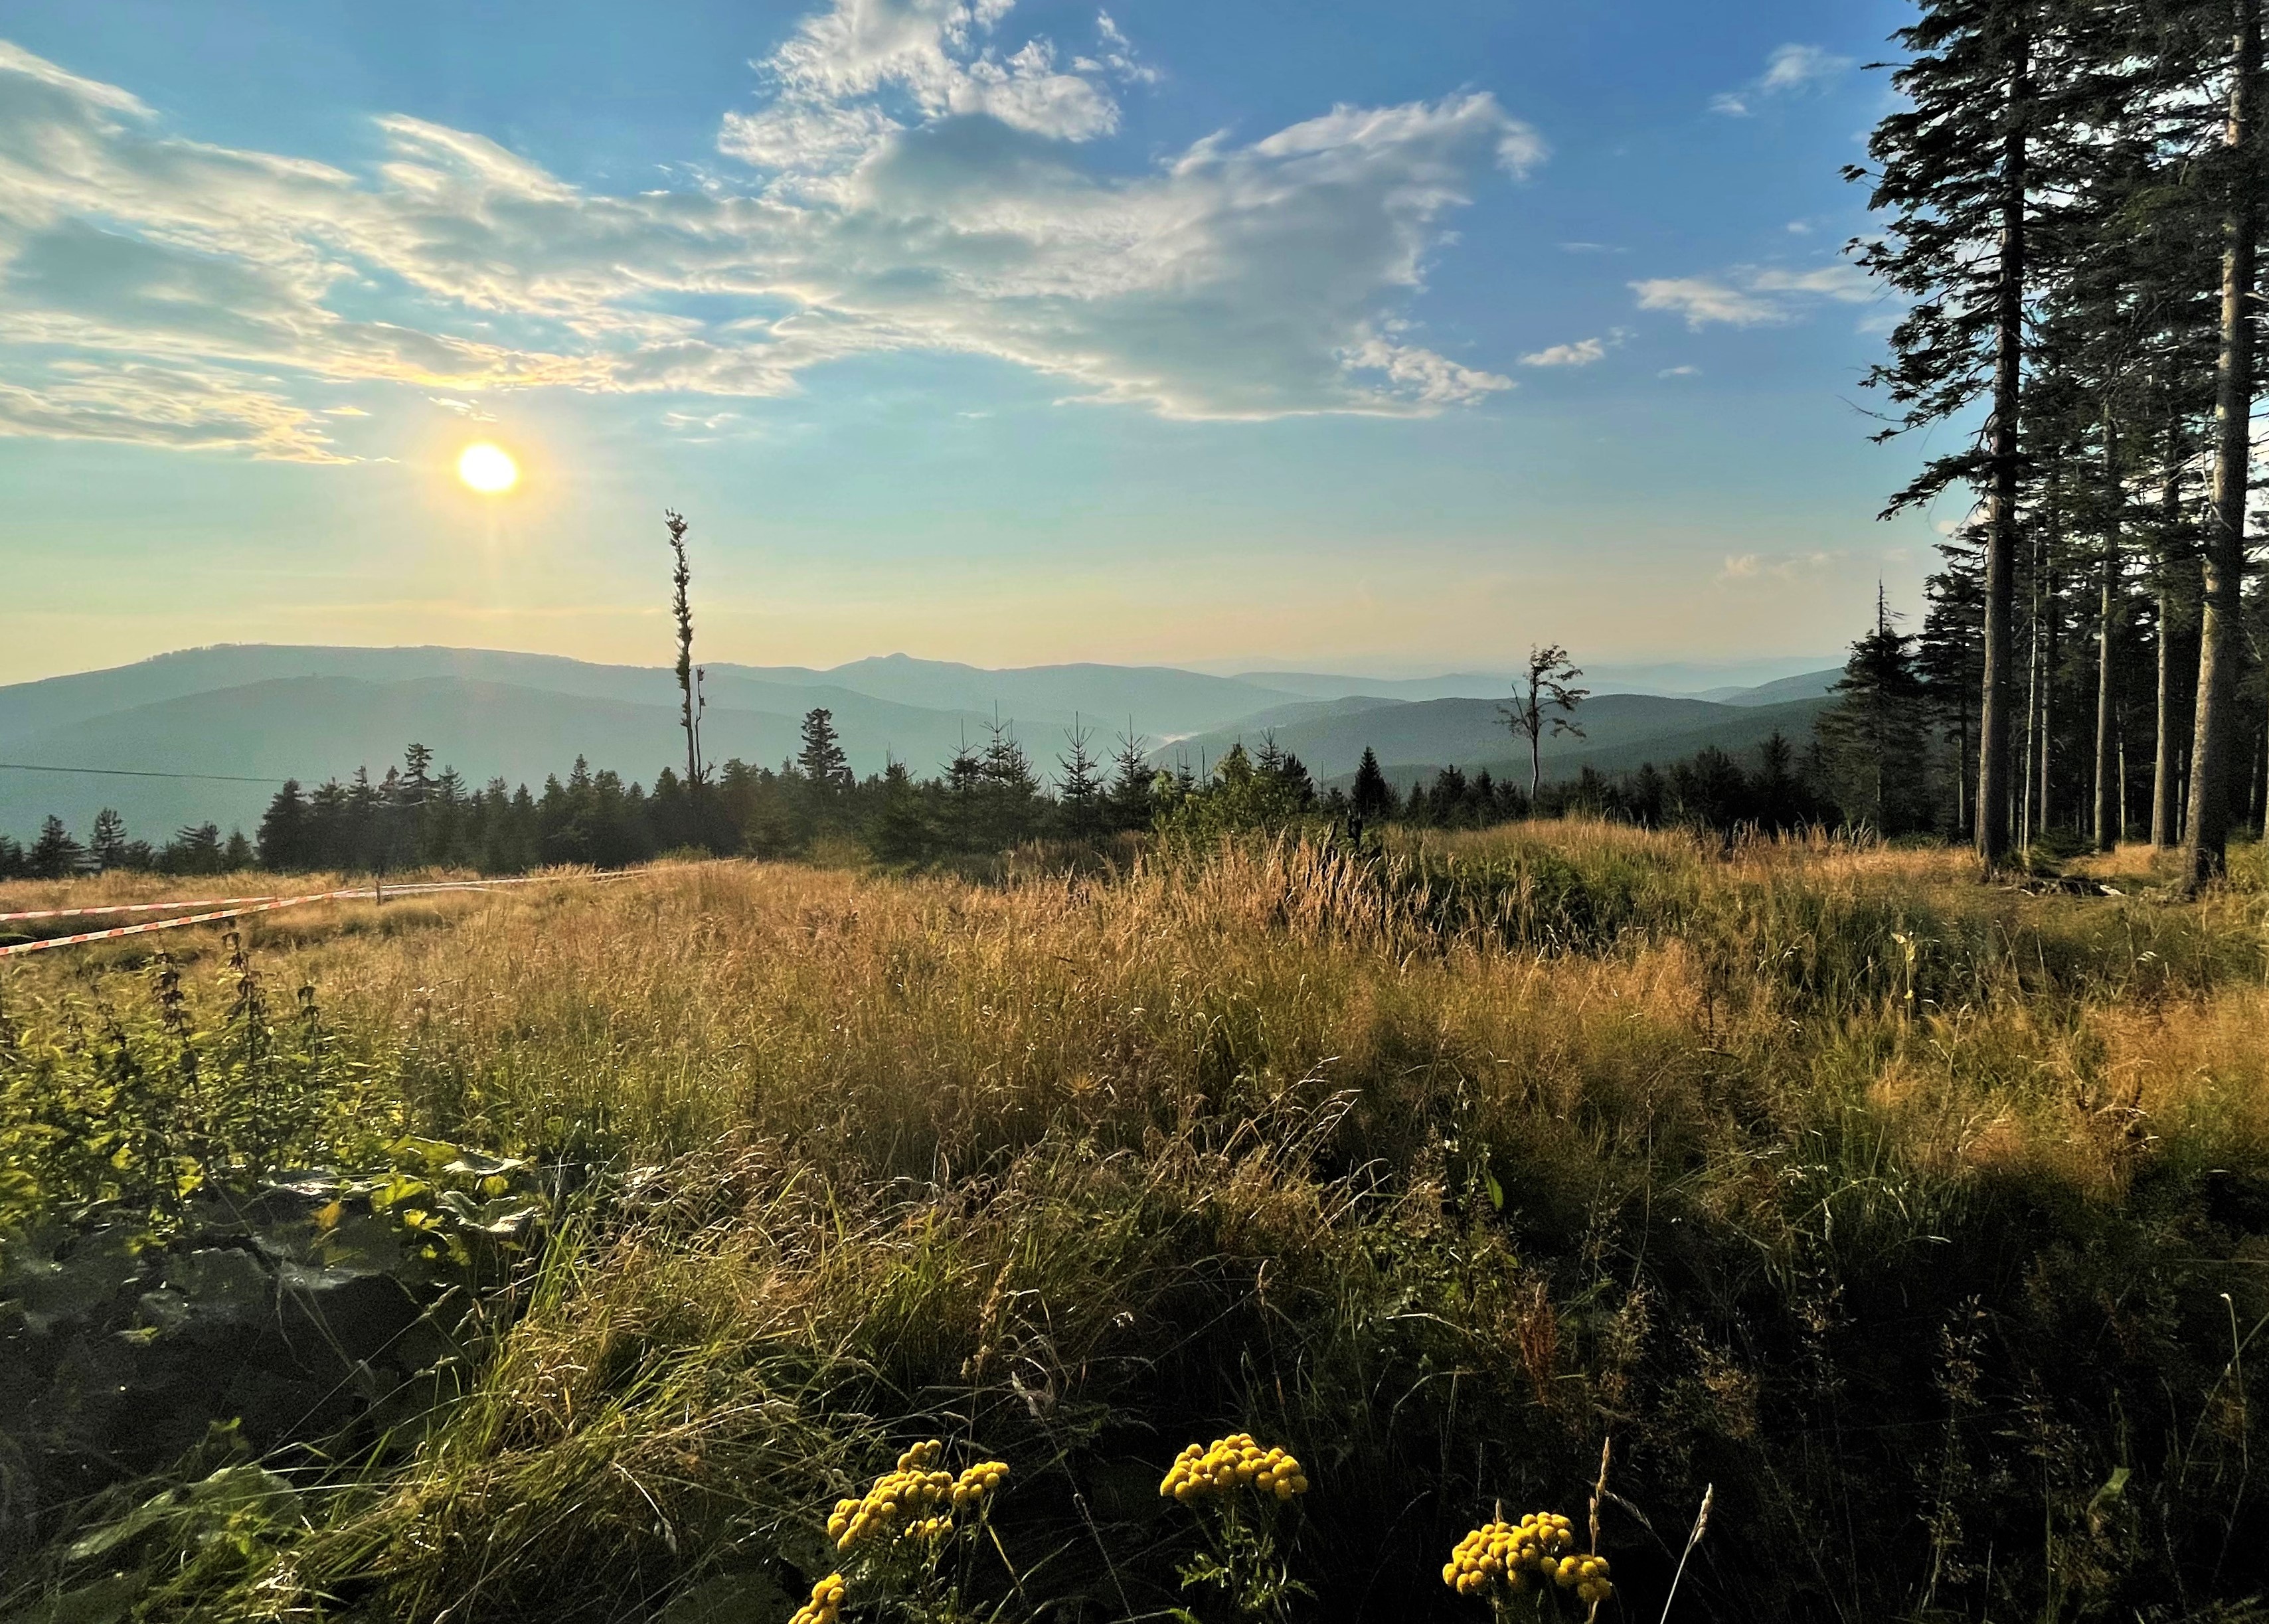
x=1868 y=764
x=1890 y=754
x=2072 y=194
x=991 y=796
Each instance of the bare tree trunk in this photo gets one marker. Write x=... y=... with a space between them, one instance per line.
x=2214 y=736
x=2108 y=809
x=2031 y=701
x=2045 y=634
x=2164 y=830
x=1962 y=774
x=2001 y=503
x=2123 y=783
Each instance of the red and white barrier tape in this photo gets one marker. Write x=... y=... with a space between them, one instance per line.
x=149 y=925
x=268 y=905
x=131 y=907
x=230 y=901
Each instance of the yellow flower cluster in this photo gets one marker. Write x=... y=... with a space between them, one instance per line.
x=977 y=1482
x=826 y=1602
x=912 y=1497
x=1234 y=1462
x=1541 y=1546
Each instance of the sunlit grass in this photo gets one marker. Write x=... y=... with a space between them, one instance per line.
x=1437 y=1167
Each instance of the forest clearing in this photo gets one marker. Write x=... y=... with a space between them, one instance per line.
x=1917 y=1219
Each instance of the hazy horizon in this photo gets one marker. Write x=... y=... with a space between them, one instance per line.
x=1729 y=673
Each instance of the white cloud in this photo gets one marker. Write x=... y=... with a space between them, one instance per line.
x=1790 y=69
x=1703 y=300
x=1422 y=376
x=178 y=407
x=1680 y=371
x=1842 y=281
x=916 y=182
x=1583 y=352
x=1753 y=296
x=1783 y=566
x=1799 y=66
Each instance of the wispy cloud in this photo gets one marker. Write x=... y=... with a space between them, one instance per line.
x=1783 y=566
x=912 y=179
x=1703 y=300
x=1583 y=352
x=1754 y=295
x=1790 y=69
x=182 y=408
x=1680 y=371
x=1842 y=281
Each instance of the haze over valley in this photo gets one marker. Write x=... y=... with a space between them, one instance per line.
x=310 y=713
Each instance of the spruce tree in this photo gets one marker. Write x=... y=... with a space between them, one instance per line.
x=2238 y=177
x=2174 y=593
x=1134 y=781
x=1949 y=659
x=1371 y=797
x=1872 y=742
x=54 y=855
x=283 y=831
x=964 y=780
x=1008 y=791
x=1080 y=792
x=194 y=850
x=107 y=848
x=822 y=761
x=900 y=833
x=1956 y=170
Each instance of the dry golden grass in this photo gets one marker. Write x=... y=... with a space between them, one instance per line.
x=1440 y=1164
x=934 y=1018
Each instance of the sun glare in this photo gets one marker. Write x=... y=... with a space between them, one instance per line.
x=487 y=469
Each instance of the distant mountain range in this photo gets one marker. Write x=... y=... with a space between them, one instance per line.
x=266 y=712
x=1415 y=741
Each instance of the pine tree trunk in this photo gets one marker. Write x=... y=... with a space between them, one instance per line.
x=2108 y=811
x=1962 y=774
x=2164 y=831
x=2031 y=701
x=2264 y=785
x=2051 y=545
x=2123 y=783
x=2214 y=735
x=2001 y=526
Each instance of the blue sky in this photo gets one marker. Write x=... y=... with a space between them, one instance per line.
x=1377 y=338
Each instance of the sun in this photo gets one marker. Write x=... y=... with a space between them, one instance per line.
x=487 y=469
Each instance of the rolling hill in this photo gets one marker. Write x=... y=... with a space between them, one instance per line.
x=264 y=712
x=315 y=727
x=1620 y=729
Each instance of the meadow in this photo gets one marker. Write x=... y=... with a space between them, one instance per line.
x=1923 y=1222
